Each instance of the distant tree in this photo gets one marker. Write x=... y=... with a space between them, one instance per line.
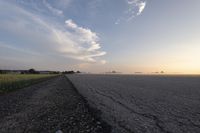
x=113 y=72
x=32 y=71
x=78 y=72
x=3 y=72
x=68 y=72
x=22 y=72
x=71 y=72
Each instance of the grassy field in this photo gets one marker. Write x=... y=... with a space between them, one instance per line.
x=11 y=82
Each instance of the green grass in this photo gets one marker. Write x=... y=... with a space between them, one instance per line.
x=12 y=82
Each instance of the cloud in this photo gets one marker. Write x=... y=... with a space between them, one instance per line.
x=55 y=11
x=45 y=6
x=86 y=36
x=13 y=48
x=87 y=39
x=71 y=24
x=52 y=39
x=63 y=3
x=141 y=7
x=135 y=8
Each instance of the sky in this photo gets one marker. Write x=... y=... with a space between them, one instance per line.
x=98 y=36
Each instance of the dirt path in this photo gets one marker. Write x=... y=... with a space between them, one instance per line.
x=48 y=107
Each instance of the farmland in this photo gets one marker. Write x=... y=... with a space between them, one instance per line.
x=144 y=103
x=11 y=82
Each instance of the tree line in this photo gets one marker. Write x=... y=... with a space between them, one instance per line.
x=33 y=71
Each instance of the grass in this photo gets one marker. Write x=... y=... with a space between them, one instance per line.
x=12 y=82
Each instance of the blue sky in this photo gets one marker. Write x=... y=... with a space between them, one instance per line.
x=101 y=35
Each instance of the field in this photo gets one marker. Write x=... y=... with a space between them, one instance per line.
x=152 y=104
x=11 y=82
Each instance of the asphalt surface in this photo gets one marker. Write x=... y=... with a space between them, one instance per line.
x=53 y=106
x=144 y=103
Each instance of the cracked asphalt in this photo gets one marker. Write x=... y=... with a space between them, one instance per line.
x=49 y=107
x=144 y=103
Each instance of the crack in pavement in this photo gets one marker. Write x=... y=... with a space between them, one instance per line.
x=157 y=121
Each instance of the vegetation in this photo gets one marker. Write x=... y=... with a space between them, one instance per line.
x=11 y=82
x=70 y=72
x=30 y=71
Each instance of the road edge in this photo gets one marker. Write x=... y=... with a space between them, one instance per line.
x=94 y=112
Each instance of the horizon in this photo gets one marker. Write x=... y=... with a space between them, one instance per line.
x=110 y=72
x=99 y=36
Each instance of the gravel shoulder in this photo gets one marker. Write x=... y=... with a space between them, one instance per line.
x=51 y=106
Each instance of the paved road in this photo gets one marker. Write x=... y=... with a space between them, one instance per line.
x=48 y=107
x=144 y=104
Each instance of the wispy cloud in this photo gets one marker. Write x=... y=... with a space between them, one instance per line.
x=48 y=37
x=63 y=4
x=14 y=48
x=55 y=11
x=135 y=8
x=141 y=7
